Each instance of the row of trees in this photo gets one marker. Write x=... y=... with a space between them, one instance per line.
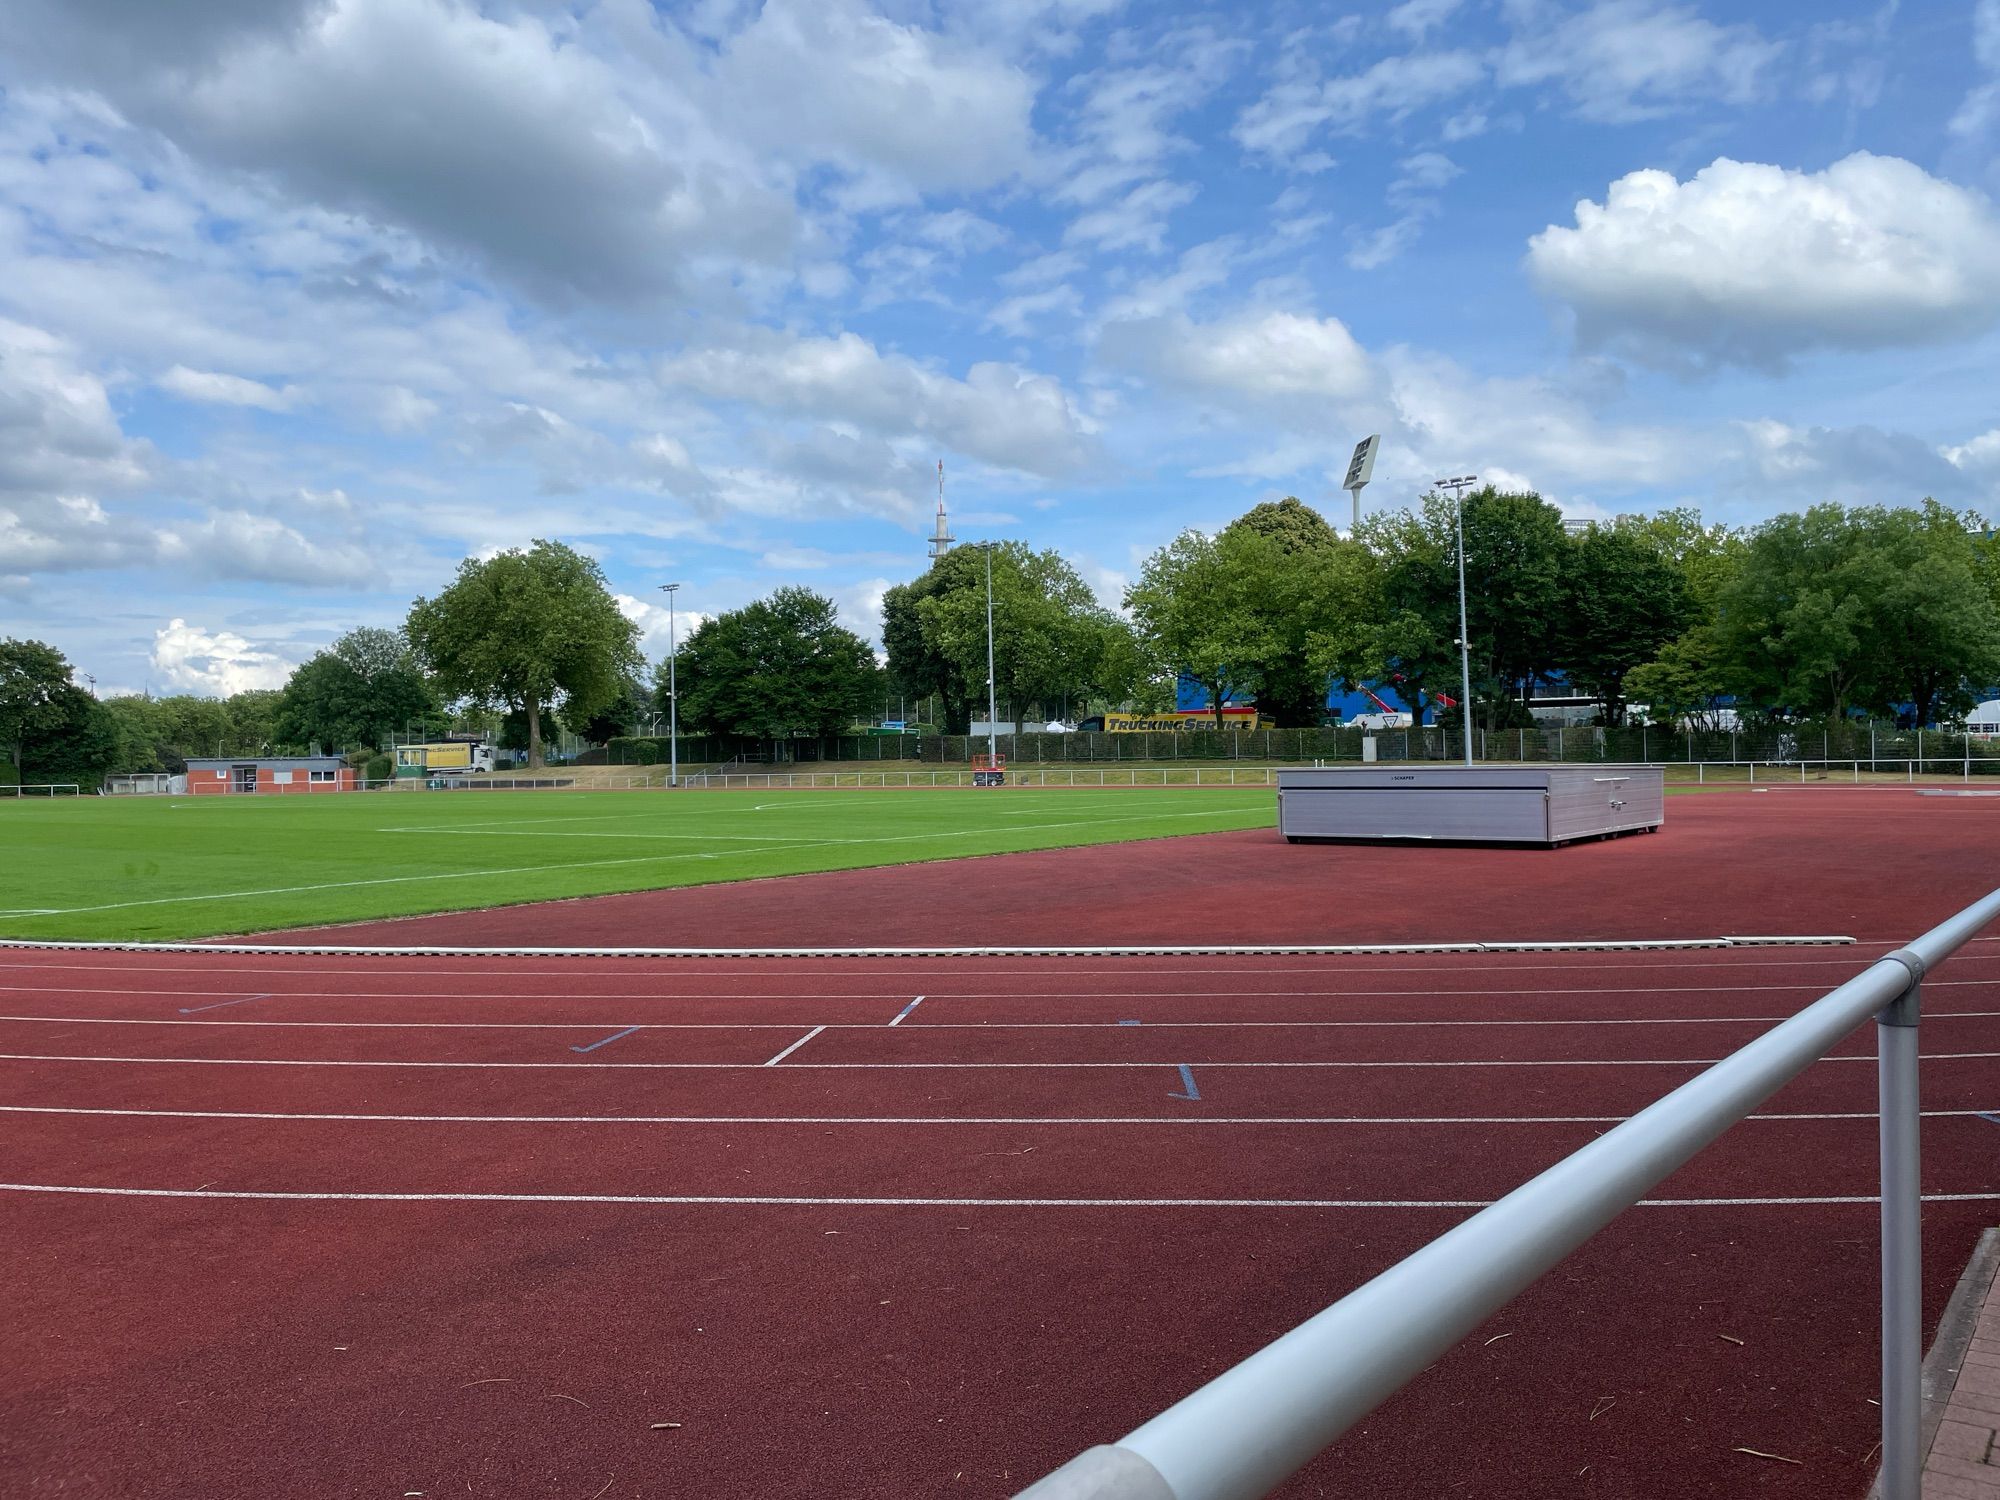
x=1889 y=611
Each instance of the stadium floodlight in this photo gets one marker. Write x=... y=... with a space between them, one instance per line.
x=1458 y=487
x=1360 y=469
x=673 y=693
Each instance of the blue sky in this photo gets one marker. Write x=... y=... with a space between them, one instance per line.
x=301 y=301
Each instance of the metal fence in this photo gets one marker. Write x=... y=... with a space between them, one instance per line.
x=1248 y=1429
x=40 y=789
x=1588 y=744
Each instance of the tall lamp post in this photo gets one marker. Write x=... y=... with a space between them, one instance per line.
x=992 y=704
x=1457 y=487
x=673 y=693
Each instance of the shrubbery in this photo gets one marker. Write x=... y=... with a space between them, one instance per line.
x=379 y=768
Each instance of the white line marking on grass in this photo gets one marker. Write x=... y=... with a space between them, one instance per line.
x=599 y=864
x=341 y=885
x=773 y=1201
x=892 y=838
x=968 y=1067
x=773 y=1062
x=1008 y=1120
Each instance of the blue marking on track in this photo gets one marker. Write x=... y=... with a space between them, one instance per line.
x=1994 y=1118
x=1187 y=1082
x=190 y=1010
x=607 y=1041
x=1128 y=1023
x=906 y=1010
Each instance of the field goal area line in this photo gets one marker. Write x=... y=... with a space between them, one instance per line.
x=1142 y=950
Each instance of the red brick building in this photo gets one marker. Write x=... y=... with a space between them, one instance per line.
x=290 y=774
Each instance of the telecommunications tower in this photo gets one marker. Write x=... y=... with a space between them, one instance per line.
x=942 y=538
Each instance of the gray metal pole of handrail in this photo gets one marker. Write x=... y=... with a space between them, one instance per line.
x=1248 y=1429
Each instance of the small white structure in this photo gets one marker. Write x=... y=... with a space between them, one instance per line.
x=1984 y=721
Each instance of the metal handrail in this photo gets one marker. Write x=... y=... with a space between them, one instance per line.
x=1244 y=1432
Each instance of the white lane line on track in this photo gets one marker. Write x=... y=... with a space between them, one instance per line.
x=1015 y=995
x=1009 y=1120
x=883 y=951
x=818 y=972
x=915 y=1067
x=773 y=1062
x=758 y=1201
x=1593 y=1021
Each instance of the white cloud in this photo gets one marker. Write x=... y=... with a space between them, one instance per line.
x=1626 y=60
x=1253 y=358
x=1290 y=113
x=1006 y=416
x=1016 y=315
x=1978 y=455
x=1860 y=465
x=218 y=663
x=860 y=606
x=1979 y=113
x=1415 y=18
x=829 y=80
x=1751 y=264
x=226 y=390
x=1137 y=221
x=58 y=434
x=655 y=626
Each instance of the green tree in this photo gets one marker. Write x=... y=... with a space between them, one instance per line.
x=776 y=668
x=253 y=721
x=1937 y=645
x=51 y=730
x=1515 y=549
x=1315 y=592
x=1796 y=627
x=1054 y=645
x=1624 y=600
x=1683 y=684
x=365 y=687
x=529 y=629
x=1196 y=614
x=32 y=677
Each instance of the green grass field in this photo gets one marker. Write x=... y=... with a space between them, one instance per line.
x=162 y=868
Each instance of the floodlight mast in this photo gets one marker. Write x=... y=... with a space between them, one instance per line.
x=1457 y=487
x=1360 y=469
x=673 y=693
x=992 y=704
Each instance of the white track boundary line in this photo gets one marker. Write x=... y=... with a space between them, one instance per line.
x=11 y=965
x=773 y=1201
x=986 y=1026
x=917 y=1067
x=1142 y=950
x=694 y=996
x=1007 y=1120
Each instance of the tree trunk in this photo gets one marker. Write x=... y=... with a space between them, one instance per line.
x=534 y=707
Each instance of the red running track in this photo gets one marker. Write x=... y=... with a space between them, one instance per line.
x=1069 y=1242
x=1866 y=861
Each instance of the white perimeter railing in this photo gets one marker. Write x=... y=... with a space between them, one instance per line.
x=1754 y=772
x=1244 y=1432
x=40 y=789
